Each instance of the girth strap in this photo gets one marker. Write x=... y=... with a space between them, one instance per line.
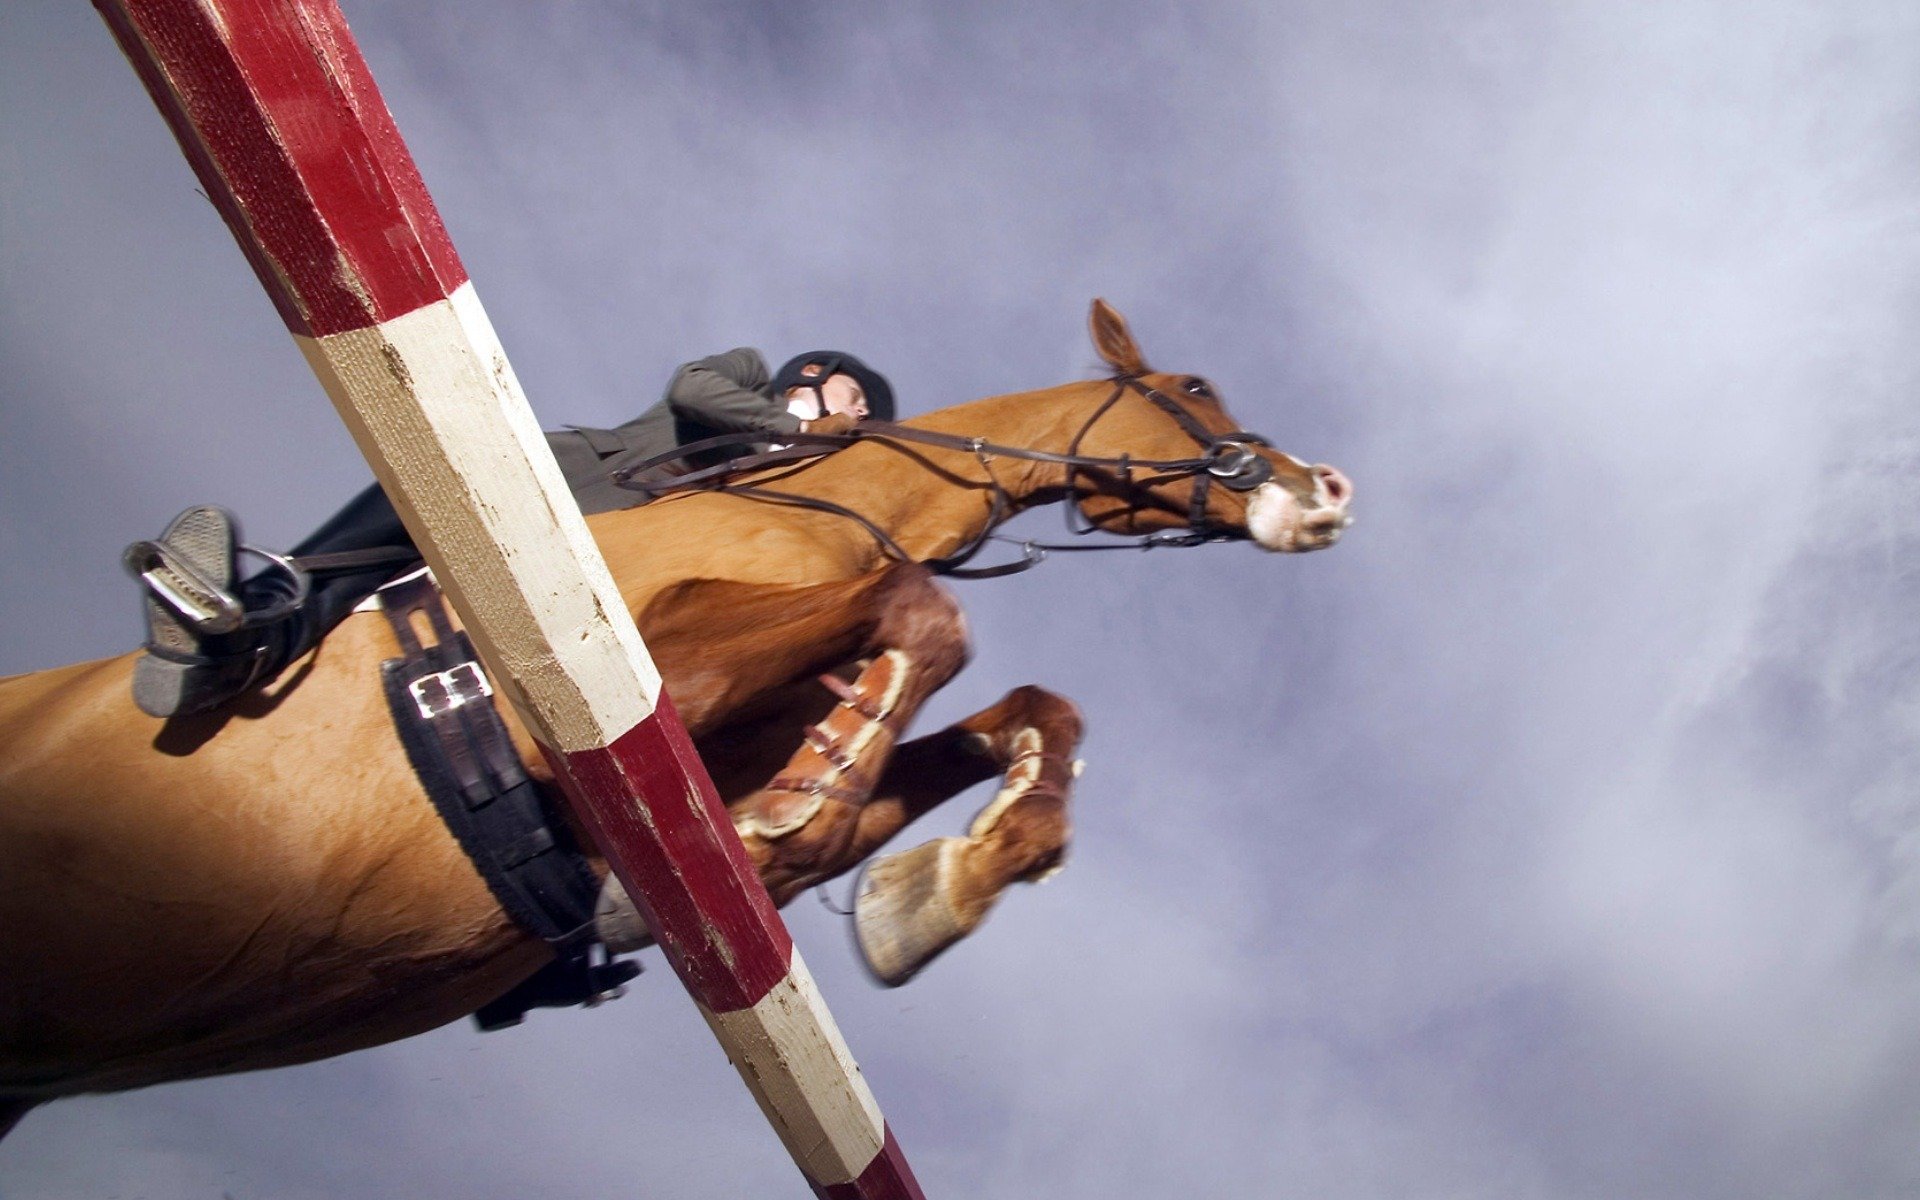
x=442 y=706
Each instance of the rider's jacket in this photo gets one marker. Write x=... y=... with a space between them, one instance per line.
x=724 y=393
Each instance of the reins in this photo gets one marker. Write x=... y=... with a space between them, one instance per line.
x=1228 y=458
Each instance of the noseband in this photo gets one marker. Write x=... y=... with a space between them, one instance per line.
x=1228 y=459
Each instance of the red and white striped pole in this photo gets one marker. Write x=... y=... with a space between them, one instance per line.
x=277 y=111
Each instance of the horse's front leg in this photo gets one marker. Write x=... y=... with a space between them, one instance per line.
x=812 y=819
x=913 y=905
x=737 y=657
x=749 y=666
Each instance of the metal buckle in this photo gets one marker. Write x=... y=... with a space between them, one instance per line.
x=453 y=694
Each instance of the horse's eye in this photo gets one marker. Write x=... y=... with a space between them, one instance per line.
x=1196 y=386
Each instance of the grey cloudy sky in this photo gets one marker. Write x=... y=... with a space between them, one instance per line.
x=1554 y=836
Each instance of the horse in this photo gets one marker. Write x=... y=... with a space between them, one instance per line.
x=269 y=884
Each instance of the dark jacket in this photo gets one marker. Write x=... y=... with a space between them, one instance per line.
x=726 y=393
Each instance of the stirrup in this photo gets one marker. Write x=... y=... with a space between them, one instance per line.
x=202 y=603
x=287 y=605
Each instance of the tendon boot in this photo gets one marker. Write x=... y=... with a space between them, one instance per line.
x=204 y=644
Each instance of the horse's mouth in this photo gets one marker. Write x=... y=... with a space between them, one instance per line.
x=1277 y=520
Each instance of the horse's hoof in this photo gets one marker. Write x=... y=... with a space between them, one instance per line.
x=903 y=916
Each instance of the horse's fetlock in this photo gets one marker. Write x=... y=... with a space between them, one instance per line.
x=1033 y=838
x=1025 y=776
x=1033 y=705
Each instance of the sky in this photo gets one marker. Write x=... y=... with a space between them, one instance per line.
x=1556 y=836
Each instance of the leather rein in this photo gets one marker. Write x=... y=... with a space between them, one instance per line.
x=1228 y=458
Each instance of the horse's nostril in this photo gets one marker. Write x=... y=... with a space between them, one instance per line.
x=1333 y=485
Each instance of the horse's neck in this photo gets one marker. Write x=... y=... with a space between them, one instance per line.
x=933 y=501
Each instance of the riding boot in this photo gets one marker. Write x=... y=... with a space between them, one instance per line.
x=209 y=639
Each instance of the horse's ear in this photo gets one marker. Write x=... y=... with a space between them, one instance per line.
x=1114 y=340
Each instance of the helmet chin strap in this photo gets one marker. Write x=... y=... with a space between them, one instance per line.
x=818 y=386
x=819 y=401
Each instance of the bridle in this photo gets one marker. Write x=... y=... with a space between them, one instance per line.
x=1227 y=459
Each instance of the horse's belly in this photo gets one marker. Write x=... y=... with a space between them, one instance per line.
x=277 y=892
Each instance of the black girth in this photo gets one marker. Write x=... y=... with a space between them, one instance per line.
x=443 y=708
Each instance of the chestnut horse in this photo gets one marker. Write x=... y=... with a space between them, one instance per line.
x=268 y=884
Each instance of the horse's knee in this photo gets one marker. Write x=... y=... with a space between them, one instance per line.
x=916 y=614
x=791 y=858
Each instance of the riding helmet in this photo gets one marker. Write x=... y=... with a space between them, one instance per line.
x=837 y=362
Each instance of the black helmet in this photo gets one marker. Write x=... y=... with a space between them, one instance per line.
x=793 y=374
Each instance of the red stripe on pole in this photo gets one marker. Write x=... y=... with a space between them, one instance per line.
x=329 y=147
x=887 y=1177
x=681 y=861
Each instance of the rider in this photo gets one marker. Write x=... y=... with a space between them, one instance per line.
x=208 y=640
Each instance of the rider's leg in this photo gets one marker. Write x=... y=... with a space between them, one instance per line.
x=188 y=669
x=366 y=522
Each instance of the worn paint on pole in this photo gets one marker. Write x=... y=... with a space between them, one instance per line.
x=278 y=113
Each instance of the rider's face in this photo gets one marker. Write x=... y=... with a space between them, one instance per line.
x=843 y=394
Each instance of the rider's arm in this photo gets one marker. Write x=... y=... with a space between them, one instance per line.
x=720 y=391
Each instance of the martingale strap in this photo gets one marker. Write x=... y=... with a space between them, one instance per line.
x=442 y=706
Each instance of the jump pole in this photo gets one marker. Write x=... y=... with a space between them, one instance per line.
x=276 y=110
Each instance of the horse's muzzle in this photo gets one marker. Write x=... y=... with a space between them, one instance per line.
x=1278 y=520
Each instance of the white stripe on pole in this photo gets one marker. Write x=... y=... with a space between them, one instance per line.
x=789 y=1043
x=478 y=475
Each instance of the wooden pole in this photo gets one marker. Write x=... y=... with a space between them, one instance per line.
x=276 y=109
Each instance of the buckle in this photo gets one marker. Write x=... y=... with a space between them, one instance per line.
x=459 y=684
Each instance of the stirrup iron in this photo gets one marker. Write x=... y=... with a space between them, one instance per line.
x=204 y=604
x=208 y=607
